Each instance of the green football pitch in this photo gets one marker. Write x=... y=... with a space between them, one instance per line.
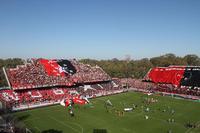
x=165 y=115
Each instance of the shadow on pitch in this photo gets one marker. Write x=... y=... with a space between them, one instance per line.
x=52 y=131
x=24 y=117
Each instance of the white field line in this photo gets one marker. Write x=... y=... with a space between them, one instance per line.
x=73 y=123
x=64 y=124
x=38 y=129
x=188 y=131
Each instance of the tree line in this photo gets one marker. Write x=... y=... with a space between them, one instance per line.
x=138 y=68
x=120 y=68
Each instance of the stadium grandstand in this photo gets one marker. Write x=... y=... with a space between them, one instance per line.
x=181 y=81
x=44 y=82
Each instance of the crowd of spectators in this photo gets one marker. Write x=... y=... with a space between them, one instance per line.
x=33 y=75
x=96 y=90
x=29 y=97
x=189 y=91
x=87 y=73
x=20 y=98
x=136 y=83
x=166 y=88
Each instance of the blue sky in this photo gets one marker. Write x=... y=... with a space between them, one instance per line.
x=100 y=29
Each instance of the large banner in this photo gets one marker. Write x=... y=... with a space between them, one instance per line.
x=67 y=66
x=191 y=77
x=176 y=75
x=167 y=75
x=58 y=67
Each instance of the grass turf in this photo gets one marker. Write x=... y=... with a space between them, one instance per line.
x=89 y=118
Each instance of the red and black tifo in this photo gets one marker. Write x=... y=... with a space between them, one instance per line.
x=175 y=75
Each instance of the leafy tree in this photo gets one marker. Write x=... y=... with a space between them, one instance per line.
x=192 y=60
